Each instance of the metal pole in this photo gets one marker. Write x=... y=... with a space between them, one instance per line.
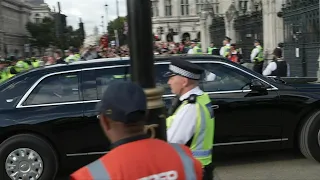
x=117 y=1
x=142 y=62
x=106 y=5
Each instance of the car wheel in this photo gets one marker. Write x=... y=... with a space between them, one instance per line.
x=27 y=156
x=309 y=137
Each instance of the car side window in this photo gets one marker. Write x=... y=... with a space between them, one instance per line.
x=162 y=81
x=224 y=78
x=55 y=89
x=105 y=76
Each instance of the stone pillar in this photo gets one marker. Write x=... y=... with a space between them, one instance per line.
x=272 y=26
x=204 y=31
x=161 y=6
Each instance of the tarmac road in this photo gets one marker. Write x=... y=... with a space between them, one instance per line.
x=284 y=165
x=278 y=165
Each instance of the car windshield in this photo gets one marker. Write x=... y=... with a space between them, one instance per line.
x=10 y=94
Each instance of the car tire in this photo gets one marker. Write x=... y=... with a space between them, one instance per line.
x=39 y=152
x=309 y=137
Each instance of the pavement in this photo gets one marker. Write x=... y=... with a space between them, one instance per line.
x=277 y=165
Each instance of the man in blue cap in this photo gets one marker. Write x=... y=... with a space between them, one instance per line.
x=191 y=122
x=133 y=154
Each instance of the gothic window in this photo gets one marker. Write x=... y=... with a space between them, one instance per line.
x=154 y=8
x=184 y=7
x=199 y=5
x=168 y=8
x=37 y=18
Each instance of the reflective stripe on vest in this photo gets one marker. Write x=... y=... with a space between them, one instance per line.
x=189 y=171
x=98 y=171
x=202 y=142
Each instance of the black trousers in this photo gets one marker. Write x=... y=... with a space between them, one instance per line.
x=208 y=172
x=257 y=67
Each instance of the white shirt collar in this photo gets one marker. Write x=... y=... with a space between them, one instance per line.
x=196 y=91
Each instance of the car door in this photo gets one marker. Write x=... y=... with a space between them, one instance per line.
x=243 y=117
x=54 y=106
x=94 y=83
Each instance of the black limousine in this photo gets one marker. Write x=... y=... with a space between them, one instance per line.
x=48 y=117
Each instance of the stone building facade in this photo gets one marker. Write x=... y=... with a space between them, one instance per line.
x=241 y=20
x=181 y=16
x=14 y=15
x=39 y=12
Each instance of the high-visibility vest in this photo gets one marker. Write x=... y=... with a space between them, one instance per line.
x=226 y=51
x=259 y=56
x=210 y=49
x=71 y=58
x=152 y=155
x=202 y=141
x=197 y=50
x=35 y=63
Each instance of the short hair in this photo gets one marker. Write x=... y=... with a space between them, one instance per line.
x=59 y=52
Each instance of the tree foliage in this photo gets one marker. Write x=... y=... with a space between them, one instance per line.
x=117 y=24
x=42 y=33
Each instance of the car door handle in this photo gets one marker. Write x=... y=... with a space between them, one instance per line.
x=215 y=106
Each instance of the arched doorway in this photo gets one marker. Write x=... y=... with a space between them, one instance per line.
x=186 y=36
x=199 y=36
x=169 y=37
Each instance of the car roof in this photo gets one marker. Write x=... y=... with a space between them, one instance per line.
x=125 y=60
x=114 y=61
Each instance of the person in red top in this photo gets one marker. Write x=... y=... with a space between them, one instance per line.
x=133 y=154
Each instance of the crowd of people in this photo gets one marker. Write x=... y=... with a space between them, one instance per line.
x=13 y=65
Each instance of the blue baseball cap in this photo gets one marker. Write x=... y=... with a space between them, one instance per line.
x=121 y=99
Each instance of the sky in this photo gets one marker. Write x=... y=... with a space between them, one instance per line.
x=90 y=11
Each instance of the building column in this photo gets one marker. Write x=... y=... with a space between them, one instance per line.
x=272 y=26
x=204 y=31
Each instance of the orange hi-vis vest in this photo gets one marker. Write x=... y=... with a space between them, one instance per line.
x=143 y=160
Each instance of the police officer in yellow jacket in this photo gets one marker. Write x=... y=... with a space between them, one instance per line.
x=191 y=122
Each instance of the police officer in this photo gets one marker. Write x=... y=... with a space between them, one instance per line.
x=278 y=66
x=224 y=51
x=213 y=50
x=256 y=57
x=133 y=154
x=191 y=120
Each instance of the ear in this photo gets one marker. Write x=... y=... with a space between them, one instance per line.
x=105 y=122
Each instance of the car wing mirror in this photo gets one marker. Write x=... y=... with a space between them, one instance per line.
x=257 y=85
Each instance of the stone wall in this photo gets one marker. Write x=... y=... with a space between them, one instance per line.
x=14 y=16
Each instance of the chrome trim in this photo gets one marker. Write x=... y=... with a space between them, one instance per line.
x=251 y=142
x=26 y=95
x=214 y=145
x=86 y=154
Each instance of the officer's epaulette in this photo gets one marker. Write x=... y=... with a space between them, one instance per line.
x=192 y=98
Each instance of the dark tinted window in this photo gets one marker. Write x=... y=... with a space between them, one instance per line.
x=11 y=93
x=160 y=70
x=226 y=78
x=105 y=76
x=56 y=89
x=89 y=85
x=95 y=82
